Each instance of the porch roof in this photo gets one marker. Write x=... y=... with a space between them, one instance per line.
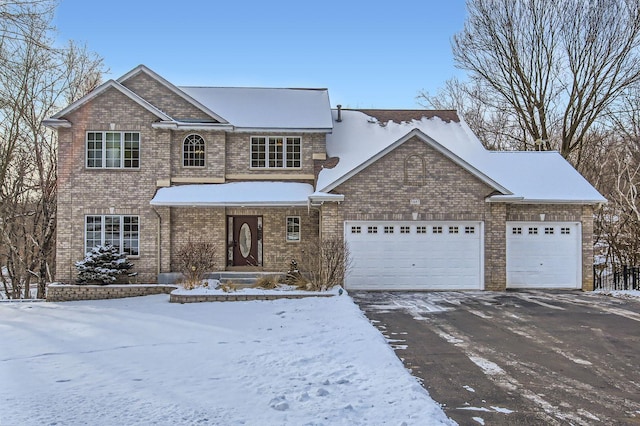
x=235 y=194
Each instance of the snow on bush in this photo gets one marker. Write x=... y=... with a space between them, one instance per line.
x=102 y=265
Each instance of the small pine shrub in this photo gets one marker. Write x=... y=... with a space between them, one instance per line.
x=102 y=265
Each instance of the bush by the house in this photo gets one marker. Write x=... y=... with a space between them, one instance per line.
x=102 y=265
x=321 y=265
x=194 y=260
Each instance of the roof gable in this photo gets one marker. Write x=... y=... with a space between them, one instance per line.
x=111 y=84
x=359 y=140
x=172 y=88
x=434 y=145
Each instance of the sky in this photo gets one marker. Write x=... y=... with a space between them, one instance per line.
x=368 y=54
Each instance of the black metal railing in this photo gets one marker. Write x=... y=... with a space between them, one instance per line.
x=616 y=277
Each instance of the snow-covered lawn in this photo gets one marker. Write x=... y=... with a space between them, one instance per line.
x=144 y=361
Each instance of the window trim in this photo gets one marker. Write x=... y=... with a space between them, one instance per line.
x=284 y=154
x=103 y=149
x=204 y=152
x=299 y=231
x=121 y=231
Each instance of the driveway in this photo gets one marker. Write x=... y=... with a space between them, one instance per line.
x=518 y=358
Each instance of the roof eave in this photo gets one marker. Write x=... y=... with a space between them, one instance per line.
x=284 y=129
x=55 y=123
x=177 y=125
x=229 y=204
x=524 y=200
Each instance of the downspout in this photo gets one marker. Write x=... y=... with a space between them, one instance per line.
x=159 y=245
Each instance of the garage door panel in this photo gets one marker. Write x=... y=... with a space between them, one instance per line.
x=543 y=255
x=417 y=258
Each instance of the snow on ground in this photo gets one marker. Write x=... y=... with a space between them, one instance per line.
x=626 y=294
x=142 y=361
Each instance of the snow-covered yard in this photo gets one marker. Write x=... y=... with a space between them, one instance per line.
x=143 y=361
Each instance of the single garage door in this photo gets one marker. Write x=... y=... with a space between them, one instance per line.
x=544 y=255
x=414 y=255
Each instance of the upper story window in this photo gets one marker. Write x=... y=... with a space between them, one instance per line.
x=193 y=151
x=113 y=150
x=278 y=152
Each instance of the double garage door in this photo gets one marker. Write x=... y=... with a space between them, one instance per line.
x=414 y=255
x=449 y=255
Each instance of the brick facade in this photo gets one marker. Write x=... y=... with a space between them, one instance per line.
x=382 y=191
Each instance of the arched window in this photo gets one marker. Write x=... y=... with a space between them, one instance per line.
x=193 y=151
x=415 y=170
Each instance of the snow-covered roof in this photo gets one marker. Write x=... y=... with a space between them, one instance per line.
x=544 y=177
x=235 y=194
x=267 y=108
x=360 y=139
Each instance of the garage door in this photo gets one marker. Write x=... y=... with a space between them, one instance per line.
x=544 y=255
x=414 y=255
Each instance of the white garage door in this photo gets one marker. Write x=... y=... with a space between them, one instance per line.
x=414 y=255
x=544 y=255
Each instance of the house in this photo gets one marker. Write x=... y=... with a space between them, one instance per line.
x=149 y=166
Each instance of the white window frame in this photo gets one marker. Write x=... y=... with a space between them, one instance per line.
x=121 y=231
x=192 y=159
x=103 y=150
x=272 y=155
x=294 y=222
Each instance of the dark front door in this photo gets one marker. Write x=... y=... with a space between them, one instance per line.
x=246 y=238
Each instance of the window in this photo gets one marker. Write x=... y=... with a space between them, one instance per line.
x=548 y=231
x=120 y=231
x=565 y=231
x=421 y=229
x=453 y=230
x=113 y=150
x=533 y=231
x=436 y=229
x=356 y=230
x=516 y=231
x=293 y=228
x=276 y=152
x=388 y=229
x=193 y=151
x=372 y=229
x=405 y=229
x=469 y=229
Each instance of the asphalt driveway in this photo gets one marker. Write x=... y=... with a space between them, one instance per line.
x=518 y=358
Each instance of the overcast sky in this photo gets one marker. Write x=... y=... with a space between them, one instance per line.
x=369 y=54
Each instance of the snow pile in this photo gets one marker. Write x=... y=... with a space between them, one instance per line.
x=143 y=361
x=624 y=294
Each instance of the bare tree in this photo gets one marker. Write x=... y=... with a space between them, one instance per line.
x=553 y=67
x=39 y=80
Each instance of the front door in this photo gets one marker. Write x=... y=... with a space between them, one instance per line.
x=246 y=239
